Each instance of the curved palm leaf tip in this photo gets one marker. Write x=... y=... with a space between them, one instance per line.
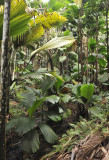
x=21 y=22
x=19 y=19
x=54 y=43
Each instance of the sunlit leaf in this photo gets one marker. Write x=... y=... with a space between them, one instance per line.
x=103 y=77
x=53 y=99
x=62 y=59
x=55 y=43
x=66 y=98
x=87 y=91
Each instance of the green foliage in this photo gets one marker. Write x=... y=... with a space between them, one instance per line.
x=66 y=113
x=54 y=116
x=21 y=124
x=102 y=62
x=2 y=2
x=59 y=81
x=31 y=142
x=80 y=131
x=65 y=98
x=55 y=43
x=47 y=83
x=35 y=105
x=53 y=99
x=91 y=58
x=22 y=24
x=66 y=33
x=103 y=77
x=32 y=99
x=62 y=59
x=49 y=135
x=92 y=44
x=87 y=91
x=55 y=5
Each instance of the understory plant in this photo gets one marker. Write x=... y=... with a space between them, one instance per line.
x=41 y=104
x=98 y=122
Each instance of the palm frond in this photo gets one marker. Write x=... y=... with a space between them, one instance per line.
x=48 y=19
x=19 y=24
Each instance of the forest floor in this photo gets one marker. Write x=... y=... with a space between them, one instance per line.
x=92 y=147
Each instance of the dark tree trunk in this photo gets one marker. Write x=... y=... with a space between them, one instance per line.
x=50 y=59
x=4 y=78
x=107 y=32
x=96 y=81
x=81 y=48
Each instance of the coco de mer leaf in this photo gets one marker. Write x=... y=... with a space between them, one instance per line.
x=53 y=99
x=49 y=135
x=54 y=43
x=87 y=91
x=21 y=124
x=31 y=142
x=36 y=104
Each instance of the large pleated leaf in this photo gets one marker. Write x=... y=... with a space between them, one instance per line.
x=47 y=83
x=19 y=24
x=55 y=43
x=17 y=8
x=41 y=23
x=28 y=99
x=49 y=135
x=34 y=34
x=48 y=19
x=24 y=27
x=35 y=105
x=54 y=116
x=66 y=98
x=53 y=99
x=59 y=81
x=19 y=19
x=31 y=142
x=87 y=91
x=21 y=124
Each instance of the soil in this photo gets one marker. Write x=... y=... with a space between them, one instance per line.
x=14 y=147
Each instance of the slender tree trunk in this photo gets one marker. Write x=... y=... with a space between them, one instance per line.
x=97 y=52
x=4 y=79
x=107 y=32
x=87 y=60
x=50 y=59
x=81 y=48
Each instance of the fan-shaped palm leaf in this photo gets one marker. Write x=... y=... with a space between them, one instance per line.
x=21 y=22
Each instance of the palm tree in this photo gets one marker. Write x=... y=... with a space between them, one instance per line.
x=4 y=78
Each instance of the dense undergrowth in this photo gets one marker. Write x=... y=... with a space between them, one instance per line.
x=58 y=79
